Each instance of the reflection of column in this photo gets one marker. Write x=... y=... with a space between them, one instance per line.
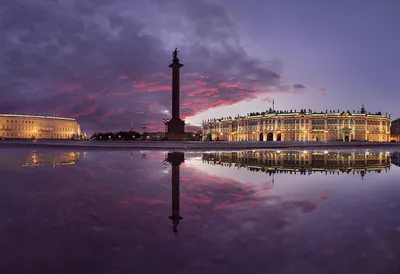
x=175 y=159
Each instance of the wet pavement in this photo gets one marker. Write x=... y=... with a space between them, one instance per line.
x=101 y=211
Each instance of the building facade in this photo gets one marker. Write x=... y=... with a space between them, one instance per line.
x=38 y=127
x=395 y=130
x=303 y=125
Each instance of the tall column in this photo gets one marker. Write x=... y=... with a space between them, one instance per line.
x=176 y=88
x=176 y=127
x=175 y=159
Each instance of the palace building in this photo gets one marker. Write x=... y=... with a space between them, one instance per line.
x=303 y=125
x=14 y=126
x=395 y=130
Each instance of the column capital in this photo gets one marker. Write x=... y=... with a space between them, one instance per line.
x=176 y=64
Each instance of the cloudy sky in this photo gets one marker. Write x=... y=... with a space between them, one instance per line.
x=105 y=62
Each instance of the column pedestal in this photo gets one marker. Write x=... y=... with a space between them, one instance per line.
x=176 y=130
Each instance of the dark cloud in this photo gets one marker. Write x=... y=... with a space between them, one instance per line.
x=106 y=62
x=299 y=86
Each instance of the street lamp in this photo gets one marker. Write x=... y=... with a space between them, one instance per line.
x=144 y=127
x=165 y=121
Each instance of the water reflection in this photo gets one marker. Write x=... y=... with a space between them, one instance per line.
x=395 y=158
x=40 y=159
x=303 y=162
x=108 y=213
x=175 y=159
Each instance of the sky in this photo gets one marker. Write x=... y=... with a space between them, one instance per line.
x=105 y=62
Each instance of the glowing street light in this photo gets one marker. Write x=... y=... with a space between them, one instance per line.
x=165 y=121
x=144 y=126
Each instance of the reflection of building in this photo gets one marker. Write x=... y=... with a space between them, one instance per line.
x=40 y=159
x=395 y=158
x=303 y=125
x=305 y=162
x=38 y=127
x=395 y=130
x=175 y=159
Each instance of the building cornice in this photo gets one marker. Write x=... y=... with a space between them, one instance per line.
x=36 y=117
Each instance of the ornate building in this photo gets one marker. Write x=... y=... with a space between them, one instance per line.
x=395 y=130
x=303 y=125
x=38 y=127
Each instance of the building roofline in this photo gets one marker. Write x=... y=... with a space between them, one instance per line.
x=37 y=116
x=293 y=114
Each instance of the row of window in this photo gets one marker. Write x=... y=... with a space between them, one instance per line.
x=30 y=135
x=332 y=130
x=314 y=121
x=291 y=126
x=20 y=121
x=41 y=122
x=6 y=127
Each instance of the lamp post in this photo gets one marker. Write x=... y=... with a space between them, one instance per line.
x=165 y=121
x=144 y=127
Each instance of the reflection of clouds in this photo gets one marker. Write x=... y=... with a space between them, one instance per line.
x=305 y=205
x=114 y=219
x=227 y=196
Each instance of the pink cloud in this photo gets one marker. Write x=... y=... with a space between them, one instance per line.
x=88 y=111
x=229 y=85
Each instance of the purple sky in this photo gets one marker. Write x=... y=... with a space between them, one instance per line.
x=105 y=62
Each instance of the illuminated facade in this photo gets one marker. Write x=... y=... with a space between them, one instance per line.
x=303 y=125
x=303 y=162
x=38 y=127
x=395 y=130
